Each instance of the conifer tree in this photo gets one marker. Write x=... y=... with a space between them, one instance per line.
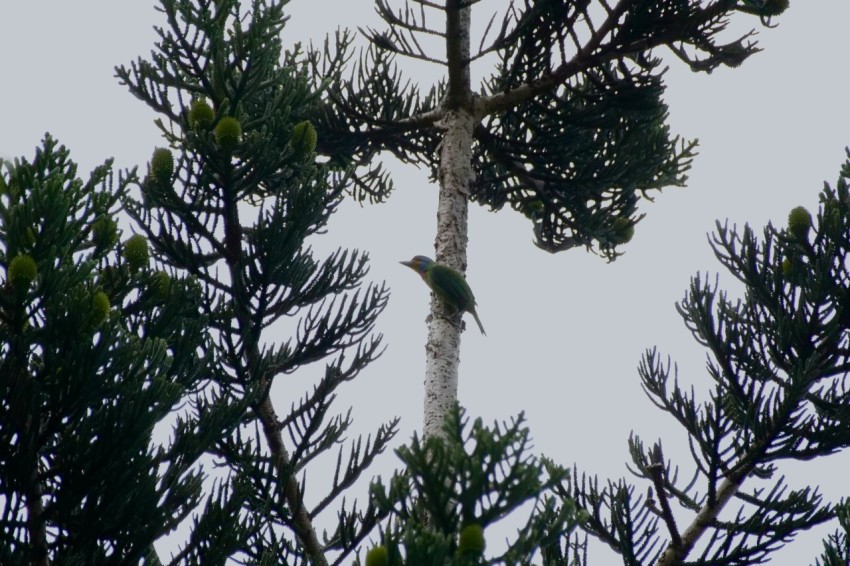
x=778 y=365
x=455 y=487
x=232 y=200
x=96 y=349
x=569 y=129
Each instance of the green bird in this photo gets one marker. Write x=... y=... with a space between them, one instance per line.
x=447 y=284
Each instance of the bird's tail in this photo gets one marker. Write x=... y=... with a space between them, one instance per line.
x=478 y=320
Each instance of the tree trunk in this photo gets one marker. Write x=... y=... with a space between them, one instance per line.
x=442 y=350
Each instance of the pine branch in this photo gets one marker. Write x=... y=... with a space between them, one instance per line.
x=774 y=356
x=95 y=314
x=456 y=485
x=590 y=54
x=255 y=273
x=302 y=522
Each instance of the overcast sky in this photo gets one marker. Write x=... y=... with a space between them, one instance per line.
x=566 y=331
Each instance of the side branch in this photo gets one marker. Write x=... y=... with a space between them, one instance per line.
x=597 y=52
x=675 y=553
x=302 y=522
x=656 y=473
x=582 y=60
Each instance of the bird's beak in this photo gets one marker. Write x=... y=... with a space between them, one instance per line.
x=407 y=263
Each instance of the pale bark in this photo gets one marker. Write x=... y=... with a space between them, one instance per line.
x=442 y=350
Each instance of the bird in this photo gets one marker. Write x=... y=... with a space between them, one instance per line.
x=449 y=285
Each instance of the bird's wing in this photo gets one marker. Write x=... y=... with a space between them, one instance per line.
x=450 y=286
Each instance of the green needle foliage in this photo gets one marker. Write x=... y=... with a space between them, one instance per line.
x=837 y=546
x=90 y=362
x=779 y=364
x=569 y=128
x=456 y=486
x=235 y=208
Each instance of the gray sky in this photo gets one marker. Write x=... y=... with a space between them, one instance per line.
x=566 y=331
